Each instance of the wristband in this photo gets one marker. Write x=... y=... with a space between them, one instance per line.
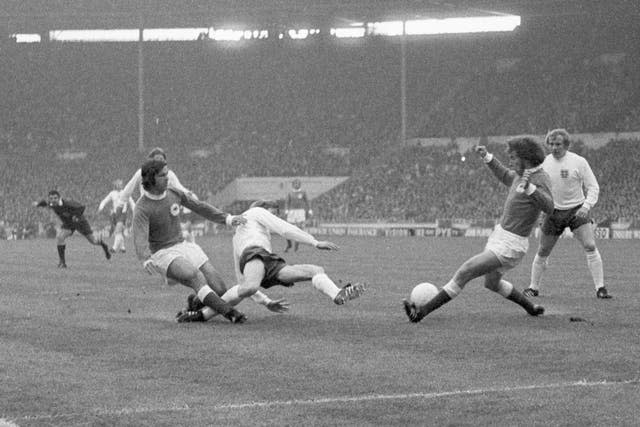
x=530 y=189
x=487 y=158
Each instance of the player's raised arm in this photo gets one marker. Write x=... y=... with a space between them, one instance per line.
x=131 y=186
x=504 y=174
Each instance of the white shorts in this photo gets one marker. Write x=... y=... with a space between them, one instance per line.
x=296 y=216
x=509 y=248
x=187 y=250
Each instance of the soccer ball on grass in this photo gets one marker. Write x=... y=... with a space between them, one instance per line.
x=422 y=293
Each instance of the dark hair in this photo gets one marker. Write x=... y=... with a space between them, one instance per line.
x=149 y=170
x=266 y=204
x=527 y=148
x=156 y=151
x=54 y=193
x=566 y=139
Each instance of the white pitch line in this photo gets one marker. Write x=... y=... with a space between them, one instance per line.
x=323 y=400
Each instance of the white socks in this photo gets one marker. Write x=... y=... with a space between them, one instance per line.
x=538 y=267
x=452 y=289
x=324 y=284
x=594 y=262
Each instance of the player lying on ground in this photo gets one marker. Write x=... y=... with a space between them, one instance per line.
x=159 y=242
x=256 y=266
x=529 y=194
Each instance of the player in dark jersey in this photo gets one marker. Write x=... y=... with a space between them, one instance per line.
x=296 y=209
x=71 y=213
x=529 y=194
x=160 y=245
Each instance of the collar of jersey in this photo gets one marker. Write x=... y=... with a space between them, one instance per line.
x=155 y=196
x=536 y=169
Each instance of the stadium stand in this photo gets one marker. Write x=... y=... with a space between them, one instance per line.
x=278 y=109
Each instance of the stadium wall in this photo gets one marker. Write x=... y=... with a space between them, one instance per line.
x=435 y=230
x=465 y=143
x=274 y=188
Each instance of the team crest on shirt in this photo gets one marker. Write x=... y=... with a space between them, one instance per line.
x=564 y=173
x=174 y=209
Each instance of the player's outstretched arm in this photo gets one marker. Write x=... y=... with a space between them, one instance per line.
x=278 y=306
x=327 y=246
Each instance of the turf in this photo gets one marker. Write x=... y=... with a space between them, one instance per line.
x=96 y=344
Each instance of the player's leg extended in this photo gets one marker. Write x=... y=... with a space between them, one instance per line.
x=61 y=237
x=118 y=237
x=213 y=278
x=494 y=281
x=186 y=273
x=476 y=266
x=585 y=235
x=321 y=281
x=539 y=264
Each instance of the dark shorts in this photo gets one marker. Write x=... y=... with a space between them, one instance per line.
x=272 y=265
x=81 y=225
x=555 y=223
x=119 y=216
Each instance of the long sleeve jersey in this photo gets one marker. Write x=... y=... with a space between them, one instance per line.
x=136 y=182
x=156 y=220
x=114 y=197
x=67 y=210
x=521 y=211
x=257 y=232
x=297 y=199
x=570 y=176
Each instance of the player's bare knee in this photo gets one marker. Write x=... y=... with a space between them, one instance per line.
x=315 y=270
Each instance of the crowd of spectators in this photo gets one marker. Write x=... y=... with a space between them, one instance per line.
x=322 y=108
x=427 y=184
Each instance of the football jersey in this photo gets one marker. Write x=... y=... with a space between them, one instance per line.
x=297 y=199
x=569 y=175
x=257 y=232
x=66 y=210
x=136 y=182
x=114 y=197
x=521 y=211
x=156 y=220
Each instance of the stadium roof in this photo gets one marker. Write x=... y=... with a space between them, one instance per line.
x=41 y=15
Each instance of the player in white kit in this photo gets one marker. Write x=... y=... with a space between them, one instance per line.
x=570 y=174
x=118 y=214
x=257 y=267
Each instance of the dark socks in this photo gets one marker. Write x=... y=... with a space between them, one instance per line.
x=519 y=298
x=61 y=249
x=216 y=303
x=439 y=300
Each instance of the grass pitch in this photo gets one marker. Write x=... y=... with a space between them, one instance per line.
x=96 y=344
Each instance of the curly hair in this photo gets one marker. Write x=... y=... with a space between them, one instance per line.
x=527 y=148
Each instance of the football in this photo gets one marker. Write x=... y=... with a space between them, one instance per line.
x=423 y=293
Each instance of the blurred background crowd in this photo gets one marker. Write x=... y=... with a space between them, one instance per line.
x=323 y=108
